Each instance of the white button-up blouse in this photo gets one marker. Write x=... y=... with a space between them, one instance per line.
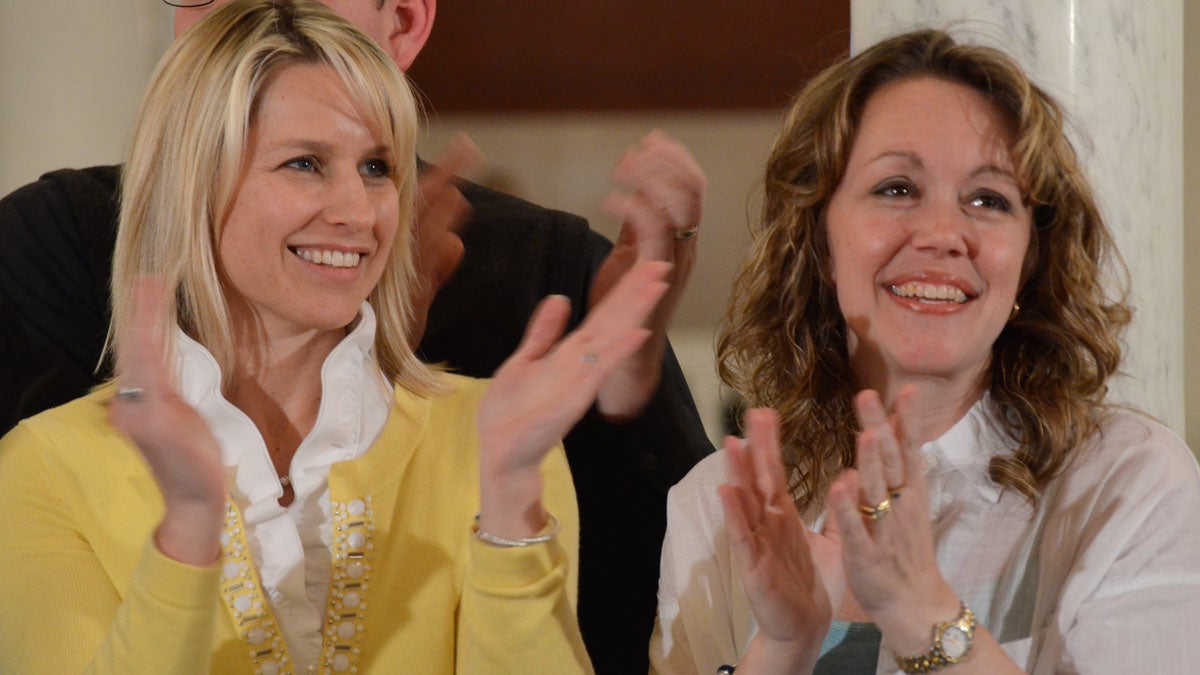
x=291 y=546
x=1102 y=577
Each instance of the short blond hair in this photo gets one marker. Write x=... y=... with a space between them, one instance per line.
x=187 y=152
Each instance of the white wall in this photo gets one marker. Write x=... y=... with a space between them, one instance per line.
x=71 y=76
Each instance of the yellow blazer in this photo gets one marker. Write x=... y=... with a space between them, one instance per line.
x=83 y=588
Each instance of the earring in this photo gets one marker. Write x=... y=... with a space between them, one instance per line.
x=1016 y=308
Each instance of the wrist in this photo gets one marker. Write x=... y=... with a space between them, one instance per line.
x=510 y=503
x=765 y=655
x=908 y=630
x=190 y=533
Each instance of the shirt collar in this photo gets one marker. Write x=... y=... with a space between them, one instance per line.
x=968 y=447
x=355 y=399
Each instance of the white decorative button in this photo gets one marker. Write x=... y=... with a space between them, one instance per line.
x=357 y=540
x=351 y=600
x=224 y=539
x=269 y=667
x=341 y=663
x=931 y=461
x=354 y=569
x=257 y=636
x=345 y=630
x=242 y=603
x=356 y=507
x=231 y=570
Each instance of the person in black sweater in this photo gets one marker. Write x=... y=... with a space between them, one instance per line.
x=56 y=243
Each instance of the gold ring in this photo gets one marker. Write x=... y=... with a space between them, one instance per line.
x=894 y=493
x=878 y=511
x=686 y=234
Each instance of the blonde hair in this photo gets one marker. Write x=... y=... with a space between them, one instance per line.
x=783 y=340
x=187 y=152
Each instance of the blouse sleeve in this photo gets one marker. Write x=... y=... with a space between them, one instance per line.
x=1131 y=599
x=703 y=619
x=518 y=612
x=60 y=611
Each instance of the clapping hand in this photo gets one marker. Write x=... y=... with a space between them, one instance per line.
x=176 y=442
x=658 y=193
x=539 y=393
x=888 y=548
x=792 y=577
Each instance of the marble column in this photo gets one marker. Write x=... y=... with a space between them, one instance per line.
x=1117 y=67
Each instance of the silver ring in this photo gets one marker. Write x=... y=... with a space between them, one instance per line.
x=589 y=358
x=130 y=394
x=689 y=233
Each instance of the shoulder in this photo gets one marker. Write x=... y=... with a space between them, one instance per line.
x=65 y=221
x=694 y=515
x=491 y=206
x=700 y=484
x=74 y=438
x=1113 y=494
x=1130 y=451
x=454 y=397
x=78 y=190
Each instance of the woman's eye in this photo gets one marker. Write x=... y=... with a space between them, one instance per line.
x=377 y=168
x=302 y=164
x=896 y=189
x=991 y=200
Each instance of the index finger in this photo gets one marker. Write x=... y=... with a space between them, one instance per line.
x=142 y=347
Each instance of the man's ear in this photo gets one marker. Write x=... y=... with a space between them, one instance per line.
x=412 y=23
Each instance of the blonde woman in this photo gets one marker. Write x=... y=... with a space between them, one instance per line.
x=274 y=483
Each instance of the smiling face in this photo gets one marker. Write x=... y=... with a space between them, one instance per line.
x=927 y=234
x=315 y=211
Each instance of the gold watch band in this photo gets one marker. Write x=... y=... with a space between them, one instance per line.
x=937 y=657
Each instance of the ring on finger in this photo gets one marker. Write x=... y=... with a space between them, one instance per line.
x=894 y=493
x=130 y=394
x=689 y=233
x=877 y=511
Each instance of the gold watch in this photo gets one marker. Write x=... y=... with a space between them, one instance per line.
x=951 y=644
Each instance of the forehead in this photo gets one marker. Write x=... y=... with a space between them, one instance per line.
x=312 y=100
x=936 y=119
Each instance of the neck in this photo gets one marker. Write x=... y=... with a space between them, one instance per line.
x=277 y=383
x=939 y=402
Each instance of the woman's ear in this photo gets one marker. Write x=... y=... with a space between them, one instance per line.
x=412 y=21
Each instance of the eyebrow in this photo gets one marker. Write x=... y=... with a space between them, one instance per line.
x=323 y=148
x=912 y=158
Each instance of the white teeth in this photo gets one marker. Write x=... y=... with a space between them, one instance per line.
x=935 y=292
x=331 y=258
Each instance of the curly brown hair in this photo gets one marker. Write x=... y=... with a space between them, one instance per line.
x=783 y=340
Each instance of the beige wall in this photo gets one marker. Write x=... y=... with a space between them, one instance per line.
x=71 y=76
x=1191 y=221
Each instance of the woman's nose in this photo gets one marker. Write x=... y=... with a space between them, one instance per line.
x=350 y=202
x=942 y=228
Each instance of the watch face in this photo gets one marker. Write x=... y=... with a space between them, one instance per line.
x=955 y=642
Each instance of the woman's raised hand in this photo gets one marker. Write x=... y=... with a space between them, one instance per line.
x=882 y=510
x=792 y=576
x=175 y=441
x=539 y=393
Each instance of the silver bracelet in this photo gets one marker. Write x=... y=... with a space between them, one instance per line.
x=492 y=539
